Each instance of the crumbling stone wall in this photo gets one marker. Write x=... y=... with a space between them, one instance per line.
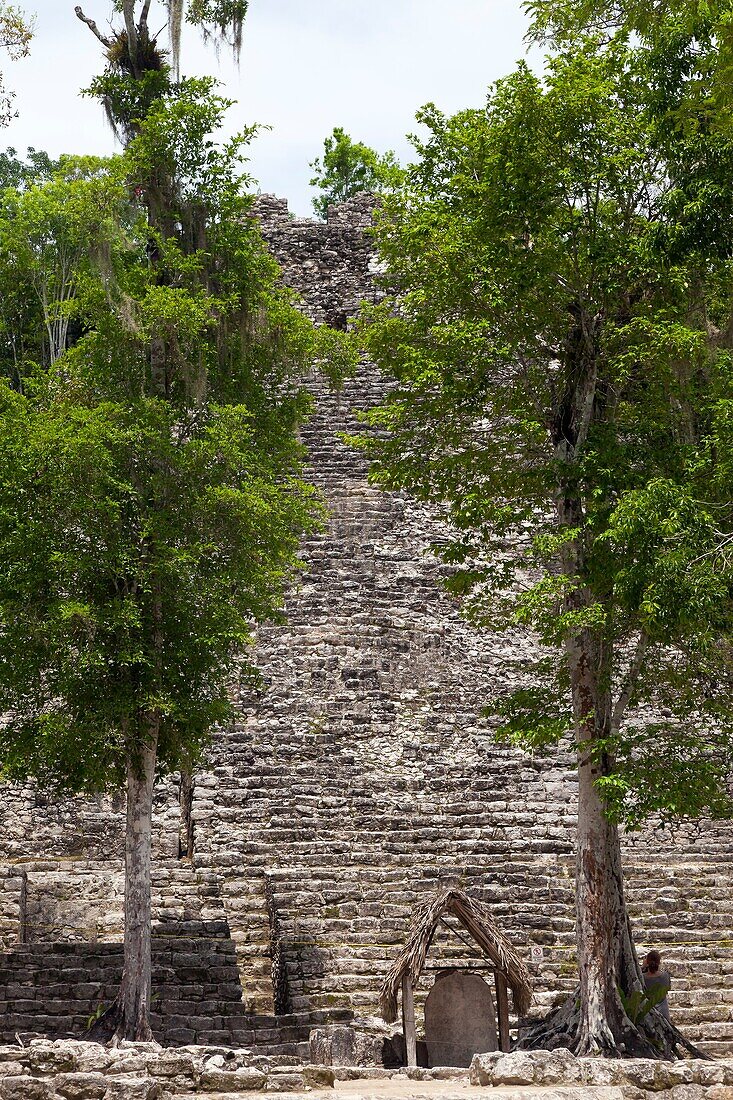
x=37 y=823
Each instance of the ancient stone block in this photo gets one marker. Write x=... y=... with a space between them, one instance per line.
x=459 y=1019
x=126 y=1086
x=25 y=1088
x=234 y=1080
x=318 y=1077
x=81 y=1086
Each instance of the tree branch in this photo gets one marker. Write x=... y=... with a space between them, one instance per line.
x=93 y=28
x=128 y=10
x=629 y=682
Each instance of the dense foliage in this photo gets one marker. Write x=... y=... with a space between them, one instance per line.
x=559 y=330
x=16 y=32
x=546 y=226
x=349 y=167
x=142 y=529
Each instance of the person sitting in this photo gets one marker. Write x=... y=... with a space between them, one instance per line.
x=656 y=979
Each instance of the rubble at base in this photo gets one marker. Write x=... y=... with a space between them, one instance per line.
x=632 y=1078
x=71 y=1070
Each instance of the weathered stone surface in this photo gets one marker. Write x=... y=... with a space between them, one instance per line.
x=605 y=1072
x=318 y=1077
x=445 y=1073
x=124 y=1086
x=556 y=1067
x=459 y=1019
x=719 y=1092
x=48 y=1058
x=688 y=1092
x=172 y=1064
x=358 y=1073
x=519 y=1068
x=285 y=1082
x=25 y=1088
x=345 y=1046
x=81 y=1086
x=234 y=1080
x=481 y=1071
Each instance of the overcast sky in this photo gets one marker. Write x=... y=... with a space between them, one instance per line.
x=307 y=66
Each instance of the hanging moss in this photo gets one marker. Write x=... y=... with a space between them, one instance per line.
x=222 y=20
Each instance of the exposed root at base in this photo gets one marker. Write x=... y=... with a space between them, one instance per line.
x=652 y=1037
x=112 y=1027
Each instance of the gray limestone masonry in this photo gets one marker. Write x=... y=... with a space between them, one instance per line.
x=359 y=778
x=70 y=1070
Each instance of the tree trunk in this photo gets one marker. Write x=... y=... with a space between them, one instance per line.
x=185 y=831
x=135 y=989
x=606 y=958
x=128 y=1017
x=594 y=1019
x=599 y=900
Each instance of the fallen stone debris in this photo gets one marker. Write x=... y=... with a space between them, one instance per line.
x=69 y=1070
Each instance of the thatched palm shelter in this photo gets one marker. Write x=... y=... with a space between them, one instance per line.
x=475 y=917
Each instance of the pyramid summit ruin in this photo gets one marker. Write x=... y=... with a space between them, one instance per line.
x=354 y=782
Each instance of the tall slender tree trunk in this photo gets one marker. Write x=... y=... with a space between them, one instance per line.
x=600 y=918
x=594 y=1020
x=129 y=1016
x=135 y=988
x=607 y=960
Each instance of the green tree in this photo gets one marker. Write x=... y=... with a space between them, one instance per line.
x=21 y=330
x=16 y=32
x=561 y=349
x=347 y=168
x=53 y=237
x=18 y=173
x=150 y=497
x=160 y=452
x=167 y=127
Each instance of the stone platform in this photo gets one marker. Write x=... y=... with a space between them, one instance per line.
x=67 y=1070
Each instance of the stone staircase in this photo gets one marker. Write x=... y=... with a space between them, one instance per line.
x=75 y=899
x=339 y=955
x=62 y=956
x=684 y=907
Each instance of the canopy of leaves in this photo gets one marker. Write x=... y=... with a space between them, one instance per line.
x=16 y=32
x=546 y=231
x=347 y=168
x=18 y=173
x=151 y=500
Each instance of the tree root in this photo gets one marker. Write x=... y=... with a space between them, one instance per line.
x=651 y=1037
x=112 y=1027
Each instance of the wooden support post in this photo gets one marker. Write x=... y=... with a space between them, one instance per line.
x=408 y=1021
x=502 y=1011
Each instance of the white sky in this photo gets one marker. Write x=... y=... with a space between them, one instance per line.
x=307 y=66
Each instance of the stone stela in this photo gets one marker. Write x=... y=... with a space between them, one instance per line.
x=459 y=1019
